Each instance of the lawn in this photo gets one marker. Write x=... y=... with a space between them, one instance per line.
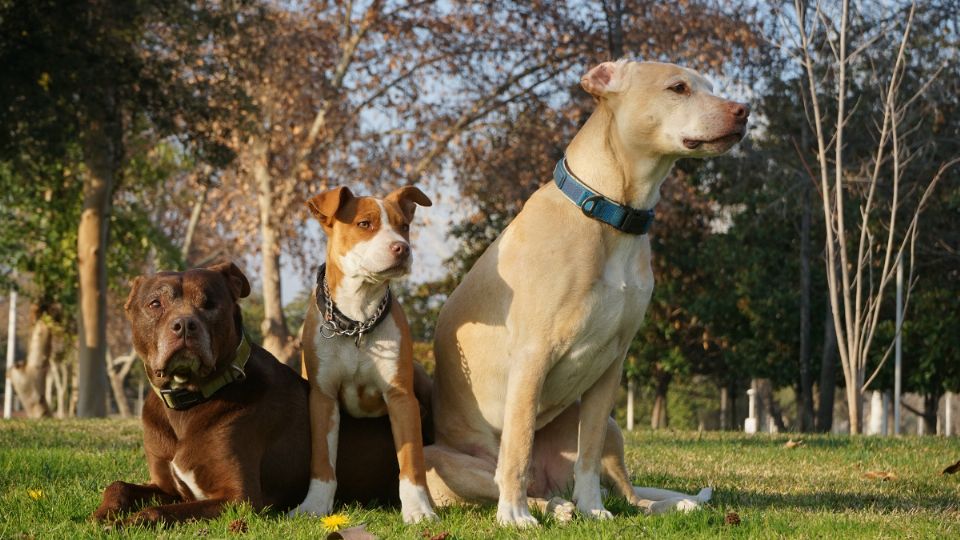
x=52 y=474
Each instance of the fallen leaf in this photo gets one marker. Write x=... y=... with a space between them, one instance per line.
x=880 y=475
x=353 y=533
x=238 y=526
x=732 y=518
x=793 y=444
x=955 y=468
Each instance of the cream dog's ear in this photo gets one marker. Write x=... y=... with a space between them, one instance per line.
x=408 y=197
x=325 y=205
x=607 y=78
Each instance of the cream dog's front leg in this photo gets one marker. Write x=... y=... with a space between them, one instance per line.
x=595 y=407
x=516 y=441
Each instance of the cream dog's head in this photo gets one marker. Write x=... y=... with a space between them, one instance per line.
x=666 y=110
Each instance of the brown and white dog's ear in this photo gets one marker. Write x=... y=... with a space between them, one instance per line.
x=408 y=197
x=325 y=205
x=134 y=289
x=607 y=78
x=236 y=280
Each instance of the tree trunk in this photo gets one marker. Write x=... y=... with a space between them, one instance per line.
x=828 y=375
x=613 y=9
x=855 y=405
x=117 y=370
x=276 y=337
x=194 y=220
x=724 y=407
x=660 y=418
x=931 y=404
x=770 y=404
x=30 y=379
x=101 y=156
x=805 y=395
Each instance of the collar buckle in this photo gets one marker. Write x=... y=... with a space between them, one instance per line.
x=180 y=398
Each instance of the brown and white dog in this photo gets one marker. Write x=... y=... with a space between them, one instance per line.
x=228 y=422
x=530 y=346
x=357 y=349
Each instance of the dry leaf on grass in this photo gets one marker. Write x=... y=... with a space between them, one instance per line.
x=880 y=475
x=353 y=533
x=793 y=443
x=732 y=518
x=238 y=526
x=955 y=468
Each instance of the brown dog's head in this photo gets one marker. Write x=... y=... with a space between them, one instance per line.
x=186 y=324
x=666 y=110
x=366 y=236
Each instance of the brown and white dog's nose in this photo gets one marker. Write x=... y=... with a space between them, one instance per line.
x=400 y=249
x=740 y=111
x=184 y=327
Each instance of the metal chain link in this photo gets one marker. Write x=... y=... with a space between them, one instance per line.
x=334 y=328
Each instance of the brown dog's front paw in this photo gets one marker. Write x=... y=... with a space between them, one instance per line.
x=148 y=517
x=115 y=502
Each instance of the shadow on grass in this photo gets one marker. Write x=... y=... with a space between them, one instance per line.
x=832 y=501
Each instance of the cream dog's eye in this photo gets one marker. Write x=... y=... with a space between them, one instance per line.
x=680 y=88
x=363 y=224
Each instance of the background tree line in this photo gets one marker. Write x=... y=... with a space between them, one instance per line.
x=144 y=135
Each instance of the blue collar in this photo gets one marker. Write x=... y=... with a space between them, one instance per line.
x=596 y=206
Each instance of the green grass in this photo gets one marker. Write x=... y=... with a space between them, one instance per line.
x=816 y=491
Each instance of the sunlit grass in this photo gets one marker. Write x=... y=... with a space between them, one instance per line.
x=53 y=472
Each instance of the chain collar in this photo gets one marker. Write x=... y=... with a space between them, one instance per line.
x=336 y=323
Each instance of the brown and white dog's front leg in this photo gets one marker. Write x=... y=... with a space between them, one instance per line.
x=595 y=407
x=324 y=433
x=404 y=411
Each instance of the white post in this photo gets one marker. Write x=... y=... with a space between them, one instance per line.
x=899 y=350
x=876 y=403
x=630 y=390
x=948 y=415
x=750 y=424
x=11 y=351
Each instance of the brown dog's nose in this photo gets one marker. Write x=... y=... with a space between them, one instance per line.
x=184 y=327
x=400 y=249
x=740 y=111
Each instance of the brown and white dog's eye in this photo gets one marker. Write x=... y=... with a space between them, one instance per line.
x=405 y=227
x=679 y=88
x=363 y=224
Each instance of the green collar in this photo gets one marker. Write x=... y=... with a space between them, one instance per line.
x=182 y=399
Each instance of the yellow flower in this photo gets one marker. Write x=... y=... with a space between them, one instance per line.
x=35 y=494
x=334 y=522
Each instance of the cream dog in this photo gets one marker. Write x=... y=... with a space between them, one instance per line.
x=530 y=346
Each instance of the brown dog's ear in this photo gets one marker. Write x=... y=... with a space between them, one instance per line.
x=134 y=289
x=607 y=78
x=408 y=197
x=325 y=205
x=236 y=281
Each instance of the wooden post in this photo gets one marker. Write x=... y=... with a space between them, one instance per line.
x=750 y=424
x=11 y=351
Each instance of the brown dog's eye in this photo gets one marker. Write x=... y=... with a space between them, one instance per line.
x=363 y=224
x=155 y=303
x=680 y=88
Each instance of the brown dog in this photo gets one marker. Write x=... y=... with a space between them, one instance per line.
x=227 y=422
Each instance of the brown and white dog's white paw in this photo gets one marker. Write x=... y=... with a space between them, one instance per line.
x=515 y=515
x=319 y=499
x=415 y=503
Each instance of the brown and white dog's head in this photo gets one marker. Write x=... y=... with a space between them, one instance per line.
x=368 y=237
x=666 y=110
x=186 y=325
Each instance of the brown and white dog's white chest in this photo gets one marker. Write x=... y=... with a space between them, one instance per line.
x=358 y=375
